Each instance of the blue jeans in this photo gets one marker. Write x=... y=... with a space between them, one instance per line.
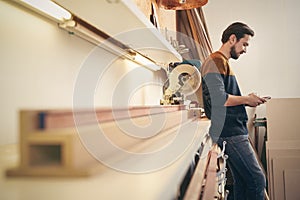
x=248 y=178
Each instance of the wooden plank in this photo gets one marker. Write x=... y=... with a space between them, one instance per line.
x=195 y=186
x=54 y=151
x=160 y=184
x=210 y=190
x=53 y=119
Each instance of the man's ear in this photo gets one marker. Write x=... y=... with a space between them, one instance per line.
x=232 y=39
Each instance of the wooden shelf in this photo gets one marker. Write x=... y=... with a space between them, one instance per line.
x=59 y=151
x=59 y=143
x=130 y=26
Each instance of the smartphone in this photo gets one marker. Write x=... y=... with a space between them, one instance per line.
x=266 y=97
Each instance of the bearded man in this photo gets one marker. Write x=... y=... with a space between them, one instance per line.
x=225 y=106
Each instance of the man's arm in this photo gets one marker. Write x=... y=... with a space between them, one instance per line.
x=250 y=100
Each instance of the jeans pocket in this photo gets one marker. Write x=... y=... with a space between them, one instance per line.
x=238 y=144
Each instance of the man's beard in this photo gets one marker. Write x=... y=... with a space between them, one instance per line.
x=233 y=53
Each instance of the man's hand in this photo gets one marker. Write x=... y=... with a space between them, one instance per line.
x=251 y=100
x=254 y=100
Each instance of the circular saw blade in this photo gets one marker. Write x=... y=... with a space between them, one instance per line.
x=185 y=79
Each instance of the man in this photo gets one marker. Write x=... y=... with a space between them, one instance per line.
x=225 y=106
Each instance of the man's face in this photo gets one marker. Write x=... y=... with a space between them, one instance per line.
x=239 y=47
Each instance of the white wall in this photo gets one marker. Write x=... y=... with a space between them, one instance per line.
x=271 y=65
x=40 y=63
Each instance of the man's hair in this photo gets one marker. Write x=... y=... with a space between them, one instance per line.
x=238 y=29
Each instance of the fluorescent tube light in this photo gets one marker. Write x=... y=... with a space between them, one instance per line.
x=87 y=31
x=81 y=30
x=90 y=33
x=49 y=8
x=145 y=61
